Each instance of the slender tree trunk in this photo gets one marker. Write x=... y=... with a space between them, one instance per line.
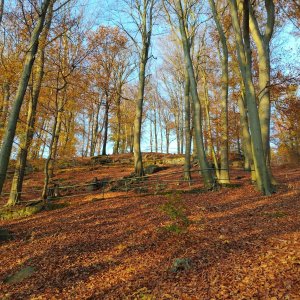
x=146 y=17
x=208 y=126
x=224 y=171
x=105 y=134
x=56 y=136
x=246 y=139
x=26 y=140
x=23 y=83
x=205 y=170
x=138 y=163
x=155 y=132
x=151 y=137
x=187 y=128
x=118 y=138
x=131 y=141
x=95 y=130
x=167 y=139
x=1 y=10
x=48 y=160
x=161 y=129
x=5 y=104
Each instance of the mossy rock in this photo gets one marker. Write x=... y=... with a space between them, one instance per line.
x=20 y=275
x=5 y=235
x=174 y=161
x=181 y=264
x=17 y=212
x=101 y=159
x=151 y=169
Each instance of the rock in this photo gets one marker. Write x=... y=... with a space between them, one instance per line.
x=20 y=276
x=101 y=159
x=5 y=235
x=151 y=169
x=181 y=264
x=174 y=161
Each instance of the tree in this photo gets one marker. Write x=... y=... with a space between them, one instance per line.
x=182 y=14
x=1 y=10
x=142 y=13
x=262 y=41
x=224 y=170
x=24 y=78
x=26 y=139
x=244 y=58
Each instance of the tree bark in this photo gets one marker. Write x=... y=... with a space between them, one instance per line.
x=23 y=83
x=244 y=57
x=1 y=10
x=26 y=140
x=105 y=134
x=224 y=170
x=187 y=128
x=205 y=170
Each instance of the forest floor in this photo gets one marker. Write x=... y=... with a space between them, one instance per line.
x=231 y=243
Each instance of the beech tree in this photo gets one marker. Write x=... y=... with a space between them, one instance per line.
x=142 y=14
x=224 y=167
x=1 y=10
x=182 y=12
x=262 y=41
x=263 y=181
x=23 y=83
x=26 y=138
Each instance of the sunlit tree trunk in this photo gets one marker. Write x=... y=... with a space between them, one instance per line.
x=151 y=137
x=187 y=128
x=262 y=41
x=5 y=104
x=105 y=134
x=244 y=57
x=224 y=171
x=119 y=121
x=155 y=132
x=201 y=155
x=138 y=163
x=26 y=139
x=206 y=117
x=95 y=129
x=23 y=83
x=146 y=15
x=50 y=157
x=246 y=138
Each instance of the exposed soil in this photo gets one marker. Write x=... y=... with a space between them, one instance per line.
x=239 y=244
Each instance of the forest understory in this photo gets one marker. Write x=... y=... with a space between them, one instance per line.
x=178 y=242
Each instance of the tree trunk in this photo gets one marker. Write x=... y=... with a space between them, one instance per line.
x=187 y=127
x=224 y=170
x=262 y=42
x=155 y=132
x=118 y=138
x=26 y=140
x=23 y=83
x=244 y=57
x=205 y=170
x=208 y=126
x=105 y=134
x=246 y=139
x=1 y=10
x=138 y=163
x=5 y=104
